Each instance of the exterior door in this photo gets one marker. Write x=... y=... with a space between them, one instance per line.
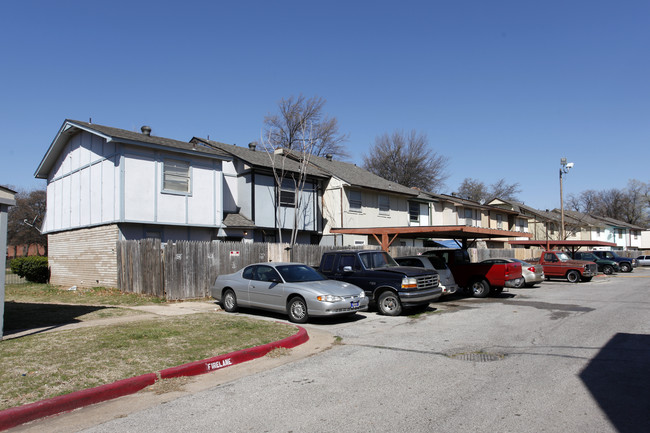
x=265 y=290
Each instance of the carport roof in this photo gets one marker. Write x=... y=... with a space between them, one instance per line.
x=386 y=235
x=550 y=244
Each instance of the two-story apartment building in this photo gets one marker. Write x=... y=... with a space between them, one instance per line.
x=105 y=184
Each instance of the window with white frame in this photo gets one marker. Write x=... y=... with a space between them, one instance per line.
x=414 y=211
x=287 y=197
x=354 y=198
x=469 y=217
x=384 y=204
x=499 y=221
x=176 y=176
x=522 y=224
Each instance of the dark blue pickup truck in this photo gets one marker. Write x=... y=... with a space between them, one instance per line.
x=389 y=286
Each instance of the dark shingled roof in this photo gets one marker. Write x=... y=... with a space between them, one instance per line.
x=357 y=176
x=236 y=220
x=130 y=136
x=72 y=127
x=258 y=158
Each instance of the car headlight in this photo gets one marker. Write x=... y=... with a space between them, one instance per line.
x=362 y=295
x=329 y=298
x=409 y=283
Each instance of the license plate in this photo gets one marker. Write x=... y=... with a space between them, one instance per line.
x=354 y=304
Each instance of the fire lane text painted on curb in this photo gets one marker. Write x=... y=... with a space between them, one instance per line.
x=219 y=364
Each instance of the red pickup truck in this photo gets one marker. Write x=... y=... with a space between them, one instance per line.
x=480 y=279
x=559 y=264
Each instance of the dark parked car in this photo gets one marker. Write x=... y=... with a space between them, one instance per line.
x=389 y=286
x=626 y=263
x=605 y=266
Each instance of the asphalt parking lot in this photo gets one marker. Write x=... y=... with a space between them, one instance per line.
x=559 y=357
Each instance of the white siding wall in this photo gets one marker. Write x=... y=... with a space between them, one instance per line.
x=445 y=214
x=82 y=186
x=265 y=214
x=88 y=187
x=140 y=187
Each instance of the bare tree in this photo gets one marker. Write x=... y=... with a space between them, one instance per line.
x=630 y=204
x=474 y=189
x=24 y=220
x=407 y=159
x=586 y=202
x=289 y=166
x=504 y=190
x=299 y=116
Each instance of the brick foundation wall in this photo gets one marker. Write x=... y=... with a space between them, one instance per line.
x=84 y=257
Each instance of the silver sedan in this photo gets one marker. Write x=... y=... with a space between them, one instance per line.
x=291 y=288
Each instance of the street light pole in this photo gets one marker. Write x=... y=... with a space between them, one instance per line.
x=564 y=169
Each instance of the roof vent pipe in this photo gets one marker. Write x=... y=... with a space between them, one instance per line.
x=329 y=156
x=252 y=145
x=146 y=130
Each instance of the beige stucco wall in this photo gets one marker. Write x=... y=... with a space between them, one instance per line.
x=84 y=257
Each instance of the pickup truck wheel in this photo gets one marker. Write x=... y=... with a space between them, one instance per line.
x=389 y=304
x=626 y=267
x=297 y=310
x=229 y=301
x=573 y=276
x=480 y=288
x=608 y=270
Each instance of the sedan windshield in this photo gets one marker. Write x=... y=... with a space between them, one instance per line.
x=377 y=259
x=298 y=273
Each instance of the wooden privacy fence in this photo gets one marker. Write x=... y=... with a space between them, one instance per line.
x=186 y=270
x=180 y=270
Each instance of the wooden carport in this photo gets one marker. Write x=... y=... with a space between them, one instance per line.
x=385 y=236
x=550 y=244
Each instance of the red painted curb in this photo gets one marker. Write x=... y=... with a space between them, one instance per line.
x=29 y=412
x=19 y=415
x=222 y=361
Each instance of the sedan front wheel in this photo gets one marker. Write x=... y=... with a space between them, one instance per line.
x=229 y=301
x=297 y=310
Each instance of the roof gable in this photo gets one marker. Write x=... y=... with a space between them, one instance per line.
x=73 y=127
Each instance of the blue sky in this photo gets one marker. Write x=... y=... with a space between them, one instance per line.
x=503 y=88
